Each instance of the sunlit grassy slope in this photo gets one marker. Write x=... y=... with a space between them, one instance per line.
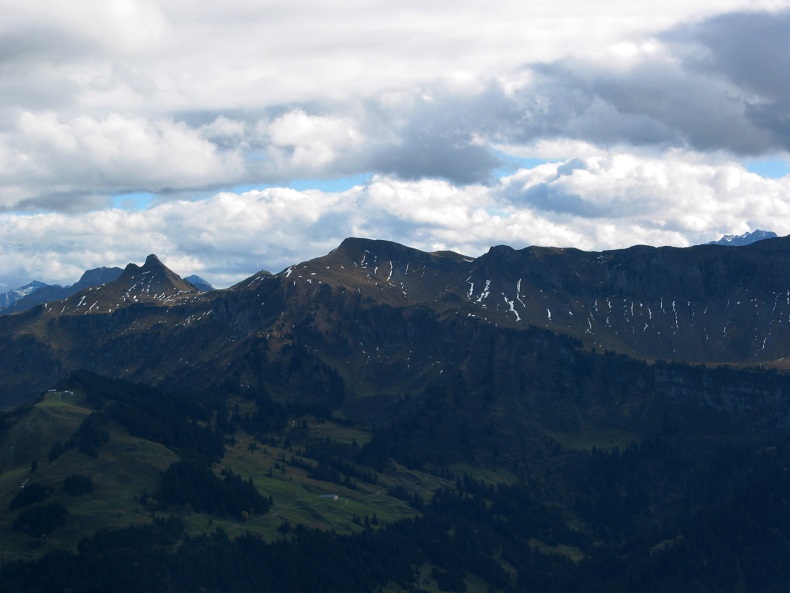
x=127 y=467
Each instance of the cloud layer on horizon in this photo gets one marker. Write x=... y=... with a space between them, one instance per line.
x=597 y=202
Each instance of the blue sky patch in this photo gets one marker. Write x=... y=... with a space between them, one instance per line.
x=771 y=168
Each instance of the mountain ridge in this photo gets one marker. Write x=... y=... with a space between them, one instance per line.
x=746 y=238
x=38 y=293
x=53 y=292
x=10 y=297
x=696 y=304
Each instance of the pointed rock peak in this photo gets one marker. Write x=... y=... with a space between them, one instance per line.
x=130 y=268
x=152 y=261
x=199 y=283
x=153 y=278
x=503 y=253
x=152 y=265
x=501 y=250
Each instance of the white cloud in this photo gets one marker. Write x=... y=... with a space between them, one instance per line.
x=244 y=55
x=303 y=145
x=98 y=98
x=88 y=155
x=676 y=193
x=677 y=199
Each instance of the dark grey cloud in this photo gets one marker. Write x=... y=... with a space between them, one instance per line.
x=548 y=199
x=65 y=201
x=751 y=50
x=724 y=85
x=721 y=85
x=34 y=69
x=700 y=112
x=450 y=154
x=446 y=133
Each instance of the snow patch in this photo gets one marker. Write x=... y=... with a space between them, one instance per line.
x=512 y=308
x=485 y=293
x=518 y=293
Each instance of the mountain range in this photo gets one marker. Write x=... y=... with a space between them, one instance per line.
x=536 y=419
x=102 y=275
x=745 y=239
x=38 y=293
x=370 y=307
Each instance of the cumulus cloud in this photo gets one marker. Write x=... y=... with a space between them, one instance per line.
x=45 y=158
x=673 y=194
x=110 y=97
x=595 y=202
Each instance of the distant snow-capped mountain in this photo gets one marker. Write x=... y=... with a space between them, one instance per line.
x=45 y=293
x=744 y=239
x=9 y=298
x=37 y=293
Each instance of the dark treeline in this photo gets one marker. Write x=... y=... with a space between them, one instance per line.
x=88 y=437
x=472 y=529
x=167 y=418
x=41 y=519
x=192 y=482
x=31 y=494
x=332 y=463
x=77 y=484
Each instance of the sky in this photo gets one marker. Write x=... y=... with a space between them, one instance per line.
x=237 y=136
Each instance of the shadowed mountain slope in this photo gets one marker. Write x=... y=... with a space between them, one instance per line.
x=385 y=316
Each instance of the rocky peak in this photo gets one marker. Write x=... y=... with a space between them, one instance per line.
x=150 y=283
x=744 y=239
x=153 y=276
x=98 y=276
x=199 y=283
x=12 y=296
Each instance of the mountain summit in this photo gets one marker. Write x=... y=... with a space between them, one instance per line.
x=153 y=278
x=744 y=239
x=12 y=296
x=153 y=282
